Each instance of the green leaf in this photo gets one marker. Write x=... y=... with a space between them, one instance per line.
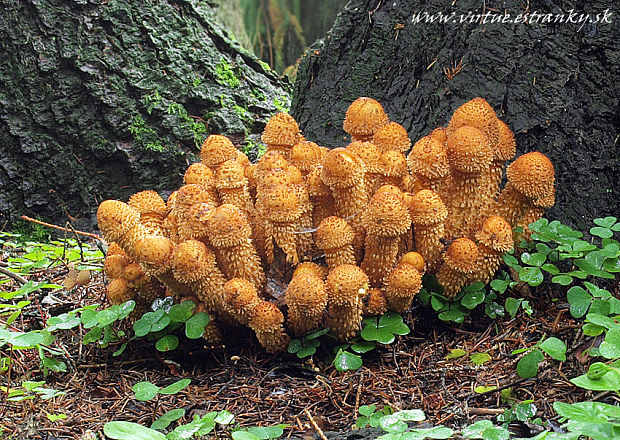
x=483 y=388
x=587 y=411
x=266 y=432
x=610 y=347
x=346 y=360
x=167 y=343
x=316 y=334
x=471 y=299
x=165 y=420
x=195 y=325
x=160 y=324
x=554 y=348
x=181 y=312
x=142 y=327
x=601 y=232
x=55 y=417
x=455 y=353
x=175 y=387
x=527 y=366
x=511 y=261
x=108 y=316
x=436 y=432
x=493 y=309
x=603 y=321
x=363 y=346
x=562 y=280
x=89 y=318
x=244 y=435
x=62 y=322
x=499 y=285
x=145 y=391
x=29 y=339
x=294 y=346
x=437 y=303
x=610 y=381
x=367 y=410
x=512 y=306
x=579 y=301
x=479 y=358
x=453 y=314
x=130 y=431
x=531 y=275
x=92 y=336
x=535 y=259
x=224 y=417
x=125 y=309
x=53 y=364
x=606 y=222
x=551 y=268
x=593 y=330
x=524 y=411
x=384 y=328
x=397 y=422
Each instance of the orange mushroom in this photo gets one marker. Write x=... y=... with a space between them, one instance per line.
x=281 y=133
x=428 y=163
x=346 y=285
x=459 y=261
x=231 y=236
x=152 y=209
x=267 y=323
x=335 y=237
x=385 y=220
x=375 y=303
x=401 y=286
x=468 y=192
x=428 y=214
x=370 y=154
x=476 y=113
x=282 y=211
x=306 y=298
x=392 y=136
x=363 y=118
x=232 y=186
x=494 y=239
x=200 y=174
x=241 y=297
x=216 y=150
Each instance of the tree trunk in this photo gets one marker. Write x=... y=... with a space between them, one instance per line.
x=102 y=99
x=554 y=84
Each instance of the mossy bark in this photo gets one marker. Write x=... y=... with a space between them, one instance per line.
x=102 y=99
x=555 y=84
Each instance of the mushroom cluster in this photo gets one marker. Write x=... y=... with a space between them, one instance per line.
x=346 y=232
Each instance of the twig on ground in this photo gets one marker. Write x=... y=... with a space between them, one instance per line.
x=60 y=228
x=16 y=277
x=316 y=427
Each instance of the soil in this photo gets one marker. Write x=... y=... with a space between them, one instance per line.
x=261 y=389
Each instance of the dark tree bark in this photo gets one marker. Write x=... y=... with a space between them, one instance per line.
x=102 y=99
x=554 y=84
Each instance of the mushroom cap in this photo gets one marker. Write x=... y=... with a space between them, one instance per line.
x=309 y=268
x=376 y=303
x=386 y=215
x=440 y=135
x=345 y=284
x=393 y=164
x=282 y=204
x=469 y=150
x=496 y=233
x=305 y=155
x=228 y=226
x=199 y=174
x=306 y=291
x=240 y=293
x=155 y=251
x=364 y=117
x=133 y=273
x=115 y=264
x=271 y=160
x=172 y=199
x=316 y=186
x=429 y=158
x=506 y=146
x=146 y=202
x=369 y=153
x=294 y=175
x=334 y=232
x=266 y=317
x=413 y=259
x=115 y=218
x=477 y=113
x=532 y=174
x=462 y=255
x=547 y=201
x=189 y=195
x=191 y=261
x=427 y=208
x=230 y=174
x=342 y=169
x=392 y=136
x=118 y=291
x=390 y=189
x=404 y=277
x=217 y=149
x=115 y=249
x=281 y=129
